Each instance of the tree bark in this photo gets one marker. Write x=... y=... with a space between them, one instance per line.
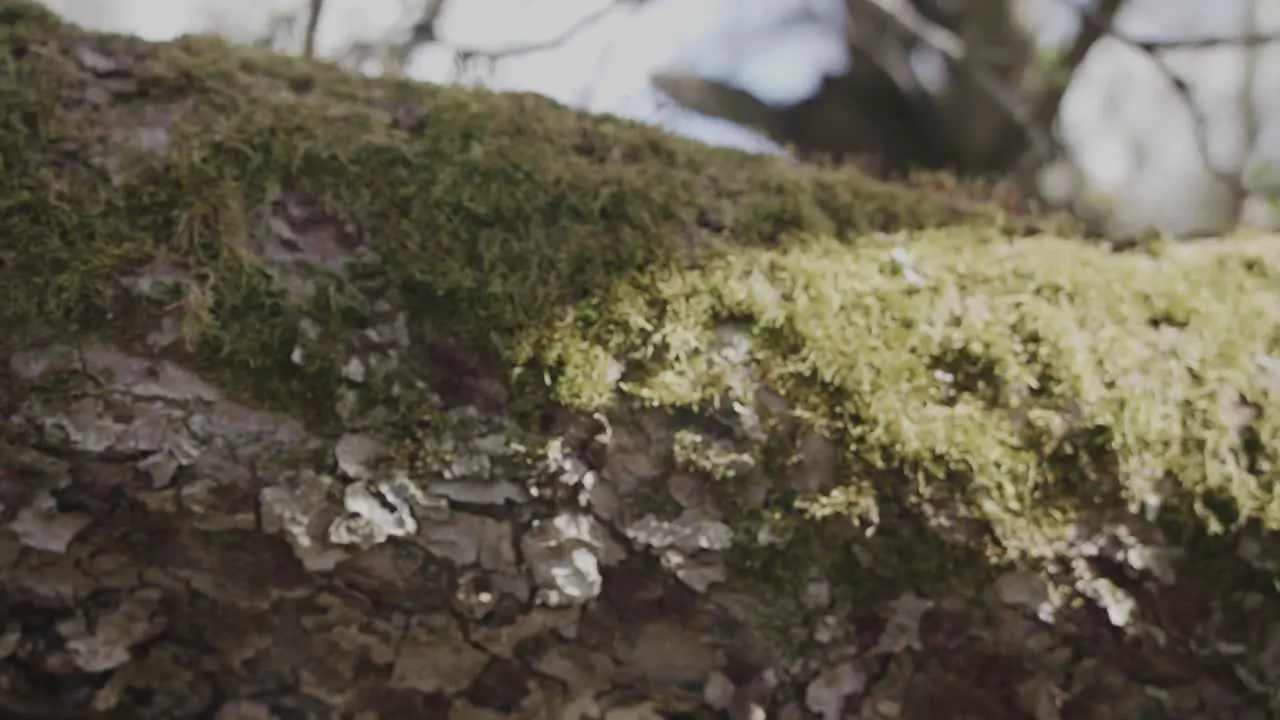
x=330 y=397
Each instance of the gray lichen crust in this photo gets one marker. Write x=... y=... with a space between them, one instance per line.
x=331 y=397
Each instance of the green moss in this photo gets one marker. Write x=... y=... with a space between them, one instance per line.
x=697 y=452
x=507 y=206
x=1018 y=368
x=1016 y=385
x=1013 y=383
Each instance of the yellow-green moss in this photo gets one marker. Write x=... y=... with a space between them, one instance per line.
x=1019 y=379
x=1012 y=381
x=696 y=452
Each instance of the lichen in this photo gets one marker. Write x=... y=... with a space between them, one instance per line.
x=1006 y=381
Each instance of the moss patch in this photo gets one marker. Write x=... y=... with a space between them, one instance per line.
x=976 y=375
x=508 y=206
x=1017 y=386
x=1020 y=379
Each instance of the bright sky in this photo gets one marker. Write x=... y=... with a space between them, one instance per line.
x=778 y=50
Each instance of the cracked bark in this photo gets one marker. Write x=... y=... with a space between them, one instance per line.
x=172 y=548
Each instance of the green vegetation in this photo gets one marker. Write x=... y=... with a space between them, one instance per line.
x=975 y=371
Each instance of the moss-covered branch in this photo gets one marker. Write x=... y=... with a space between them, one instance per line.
x=881 y=387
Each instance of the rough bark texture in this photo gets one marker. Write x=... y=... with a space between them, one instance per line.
x=327 y=397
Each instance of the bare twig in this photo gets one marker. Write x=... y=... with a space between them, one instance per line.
x=313 y=22
x=1242 y=40
x=516 y=50
x=424 y=31
x=903 y=14
x=906 y=16
x=1037 y=121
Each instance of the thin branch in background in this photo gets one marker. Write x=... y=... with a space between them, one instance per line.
x=1037 y=122
x=1243 y=40
x=905 y=15
x=909 y=18
x=313 y=22
x=424 y=33
x=516 y=50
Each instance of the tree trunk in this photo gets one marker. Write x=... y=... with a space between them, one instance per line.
x=329 y=397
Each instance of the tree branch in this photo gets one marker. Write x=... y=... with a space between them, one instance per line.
x=903 y=14
x=313 y=22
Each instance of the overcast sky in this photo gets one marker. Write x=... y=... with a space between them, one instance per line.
x=602 y=52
